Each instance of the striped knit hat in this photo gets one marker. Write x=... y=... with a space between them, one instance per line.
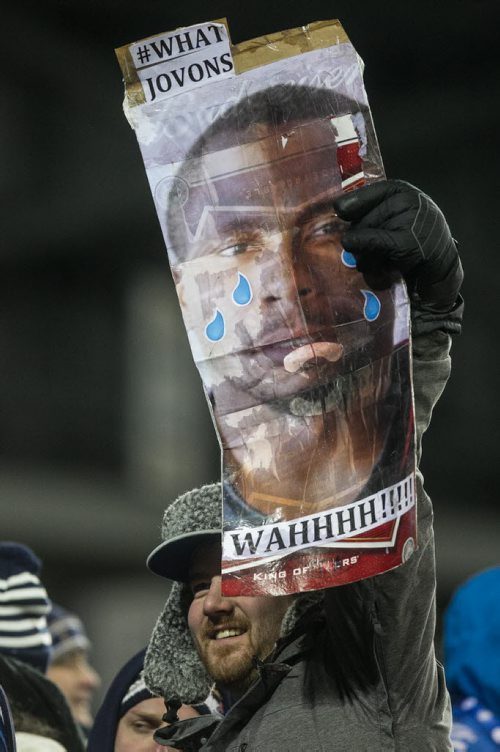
x=24 y=606
x=67 y=632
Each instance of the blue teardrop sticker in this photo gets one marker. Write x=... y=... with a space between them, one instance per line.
x=348 y=259
x=216 y=329
x=372 y=305
x=242 y=293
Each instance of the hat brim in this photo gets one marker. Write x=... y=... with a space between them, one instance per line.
x=172 y=558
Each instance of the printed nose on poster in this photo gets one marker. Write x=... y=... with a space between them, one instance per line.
x=278 y=275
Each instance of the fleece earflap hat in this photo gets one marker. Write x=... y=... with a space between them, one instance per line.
x=192 y=519
x=172 y=666
x=24 y=606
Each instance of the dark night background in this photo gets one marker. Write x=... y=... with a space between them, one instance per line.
x=103 y=420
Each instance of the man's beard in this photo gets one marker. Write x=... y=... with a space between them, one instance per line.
x=231 y=668
x=234 y=667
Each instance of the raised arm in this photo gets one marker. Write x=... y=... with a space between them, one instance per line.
x=395 y=224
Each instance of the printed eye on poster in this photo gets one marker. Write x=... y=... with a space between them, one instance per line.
x=305 y=362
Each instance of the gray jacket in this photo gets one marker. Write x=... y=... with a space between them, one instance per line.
x=359 y=673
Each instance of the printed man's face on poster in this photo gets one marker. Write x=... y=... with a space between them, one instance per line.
x=274 y=306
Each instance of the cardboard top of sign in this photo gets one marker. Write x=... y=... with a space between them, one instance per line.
x=247 y=55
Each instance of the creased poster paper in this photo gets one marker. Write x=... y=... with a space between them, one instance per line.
x=305 y=362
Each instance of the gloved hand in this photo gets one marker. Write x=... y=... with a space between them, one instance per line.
x=395 y=225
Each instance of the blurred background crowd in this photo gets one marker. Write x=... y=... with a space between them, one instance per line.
x=103 y=417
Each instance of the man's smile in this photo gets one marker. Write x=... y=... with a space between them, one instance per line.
x=225 y=634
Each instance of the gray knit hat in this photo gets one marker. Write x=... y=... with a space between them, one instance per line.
x=194 y=517
x=172 y=666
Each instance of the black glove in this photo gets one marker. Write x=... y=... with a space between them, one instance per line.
x=189 y=735
x=395 y=225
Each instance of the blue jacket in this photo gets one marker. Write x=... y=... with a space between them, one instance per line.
x=472 y=659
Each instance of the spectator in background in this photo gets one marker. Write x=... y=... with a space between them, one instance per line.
x=130 y=713
x=69 y=666
x=42 y=718
x=472 y=662
x=38 y=709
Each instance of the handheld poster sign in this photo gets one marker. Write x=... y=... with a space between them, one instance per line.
x=304 y=361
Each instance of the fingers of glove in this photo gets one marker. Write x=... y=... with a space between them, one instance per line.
x=372 y=247
x=353 y=206
x=394 y=223
x=396 y=213
x=413 y=212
